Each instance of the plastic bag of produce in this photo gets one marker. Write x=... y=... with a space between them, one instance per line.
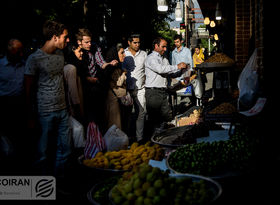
x=197 y=87
x=94 y=143
x=77 y=131
x=248 y=84
x=115 y=139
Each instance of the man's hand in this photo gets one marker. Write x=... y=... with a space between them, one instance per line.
x=114 y=62
x=183 y=66
x=92 y=79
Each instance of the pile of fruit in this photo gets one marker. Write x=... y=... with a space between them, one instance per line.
x=148 y=185
x=216 y=158
x=126 y=159
x=219 y=58
x=224 y=108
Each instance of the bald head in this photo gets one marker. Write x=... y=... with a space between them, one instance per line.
x=15 y=50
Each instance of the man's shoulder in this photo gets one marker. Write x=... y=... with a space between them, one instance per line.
x=186 y=49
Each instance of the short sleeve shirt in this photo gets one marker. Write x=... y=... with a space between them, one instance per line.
x=11 y=78
x=48 y=71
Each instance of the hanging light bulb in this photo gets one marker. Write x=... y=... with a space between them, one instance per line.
x=218 y=12
x=162 y=5
x=212 y=24
x=206 y=21
x=178 y=12
x=216 y=37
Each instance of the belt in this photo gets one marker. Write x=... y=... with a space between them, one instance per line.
x=155 y=88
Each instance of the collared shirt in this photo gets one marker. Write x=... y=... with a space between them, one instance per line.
x=135 y=69
x=156 y=66
x=11 y=78
x=184 y=55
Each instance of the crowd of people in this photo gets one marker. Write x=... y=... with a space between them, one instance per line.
x=75 y=78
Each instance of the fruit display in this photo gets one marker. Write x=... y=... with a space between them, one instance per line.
x=224 y=109
x=216 y=158
x=148 y=185
x=219 y=58
x=126 y=159
x=99 y=192
x=193 y=118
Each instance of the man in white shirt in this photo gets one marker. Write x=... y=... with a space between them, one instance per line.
x=134 y=64
x=157 y=68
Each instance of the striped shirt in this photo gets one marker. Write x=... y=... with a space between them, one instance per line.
x=93 y=60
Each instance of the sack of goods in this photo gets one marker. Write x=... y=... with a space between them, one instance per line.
x=115 y=139
x=77 y=131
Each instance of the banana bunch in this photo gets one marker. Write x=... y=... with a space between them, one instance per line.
x=126 y=159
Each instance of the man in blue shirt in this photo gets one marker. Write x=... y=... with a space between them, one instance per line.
x=181 y=54
x=11 y=94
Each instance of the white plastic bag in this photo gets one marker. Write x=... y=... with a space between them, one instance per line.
x=115 y=139
x=197 y=87
x=77 y=131
x=248 y=83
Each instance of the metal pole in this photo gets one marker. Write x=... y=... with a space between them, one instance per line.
x=186 y=22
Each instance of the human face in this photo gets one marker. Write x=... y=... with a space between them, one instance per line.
x=134 y=44
x=197 y=51
x=15 y=51
x=78 y=52
x=177 y=43
x=161 y=48
x=62 y=40
x=85 y=43
x=121 y=55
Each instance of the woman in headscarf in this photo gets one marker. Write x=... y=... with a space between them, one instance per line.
x=117 y=88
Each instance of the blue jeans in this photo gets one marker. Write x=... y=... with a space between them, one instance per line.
x=55 y=142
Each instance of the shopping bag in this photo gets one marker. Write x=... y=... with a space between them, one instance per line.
x=77 y=131
x=115 y=139
x=94 y=142
x=248 y=84
x=188 y=90
x=197 y=87
x=126 y=100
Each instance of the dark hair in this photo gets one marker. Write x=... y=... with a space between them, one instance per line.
x=157 y=41
x=133 y=35
x=177 y=36
x=51 y=28
x=112 y=53
x=83 y=32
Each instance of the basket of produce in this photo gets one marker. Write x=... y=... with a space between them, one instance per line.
x=123 y=160
x=98 y=194
x=192 y=116
x=217 y=159
x=223 y=112
x=180 y=136
x=150 y=185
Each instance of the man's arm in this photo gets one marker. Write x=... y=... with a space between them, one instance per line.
x=29 y=88
x=154 y=65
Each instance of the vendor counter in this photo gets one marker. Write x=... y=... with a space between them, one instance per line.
x=222 y=72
